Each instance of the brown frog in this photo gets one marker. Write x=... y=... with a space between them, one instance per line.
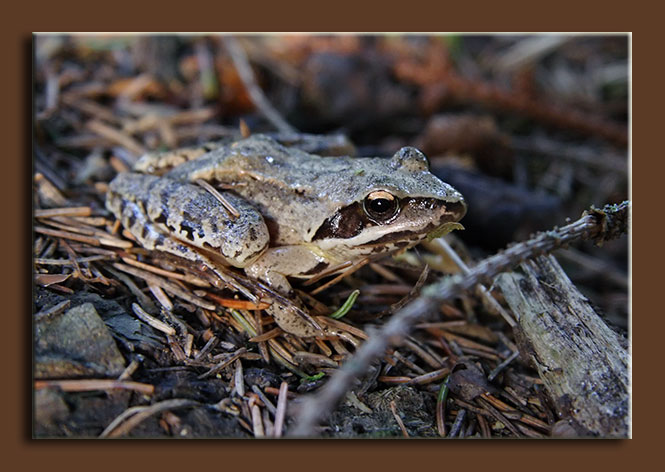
x=281 y=212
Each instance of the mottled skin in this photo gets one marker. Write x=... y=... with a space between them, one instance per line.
x=298 y=213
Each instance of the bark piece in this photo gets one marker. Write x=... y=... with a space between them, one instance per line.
x=579 y=358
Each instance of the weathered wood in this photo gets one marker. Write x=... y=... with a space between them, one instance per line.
x=580 y=359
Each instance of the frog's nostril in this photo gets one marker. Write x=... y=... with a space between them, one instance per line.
x=456 y=209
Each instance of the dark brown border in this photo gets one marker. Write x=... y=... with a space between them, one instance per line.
x=25 y=17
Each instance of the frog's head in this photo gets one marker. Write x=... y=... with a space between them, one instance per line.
x=391 y=204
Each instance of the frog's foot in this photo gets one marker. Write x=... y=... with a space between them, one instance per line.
x=289 y=312
x=295 y=320
x=287 y=309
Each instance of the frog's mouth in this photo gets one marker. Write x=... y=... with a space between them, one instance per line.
x=417 y=218
x=404 y=238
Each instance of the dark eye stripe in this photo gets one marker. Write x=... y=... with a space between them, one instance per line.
x=345 y=224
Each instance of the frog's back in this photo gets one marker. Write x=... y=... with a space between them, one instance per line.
x=340 y=179
x=260 y=157
x=300 y=190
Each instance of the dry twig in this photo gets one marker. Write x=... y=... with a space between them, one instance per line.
x=141 y=413
x=258 y=97
x=87 y=385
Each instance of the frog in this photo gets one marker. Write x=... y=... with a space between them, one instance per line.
x=278 y=212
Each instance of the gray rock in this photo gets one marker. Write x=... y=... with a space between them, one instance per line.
x=74 y=344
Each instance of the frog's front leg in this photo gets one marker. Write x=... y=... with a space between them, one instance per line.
x=272 y=268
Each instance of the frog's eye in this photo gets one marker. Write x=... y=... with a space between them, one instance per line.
x=380 y=206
